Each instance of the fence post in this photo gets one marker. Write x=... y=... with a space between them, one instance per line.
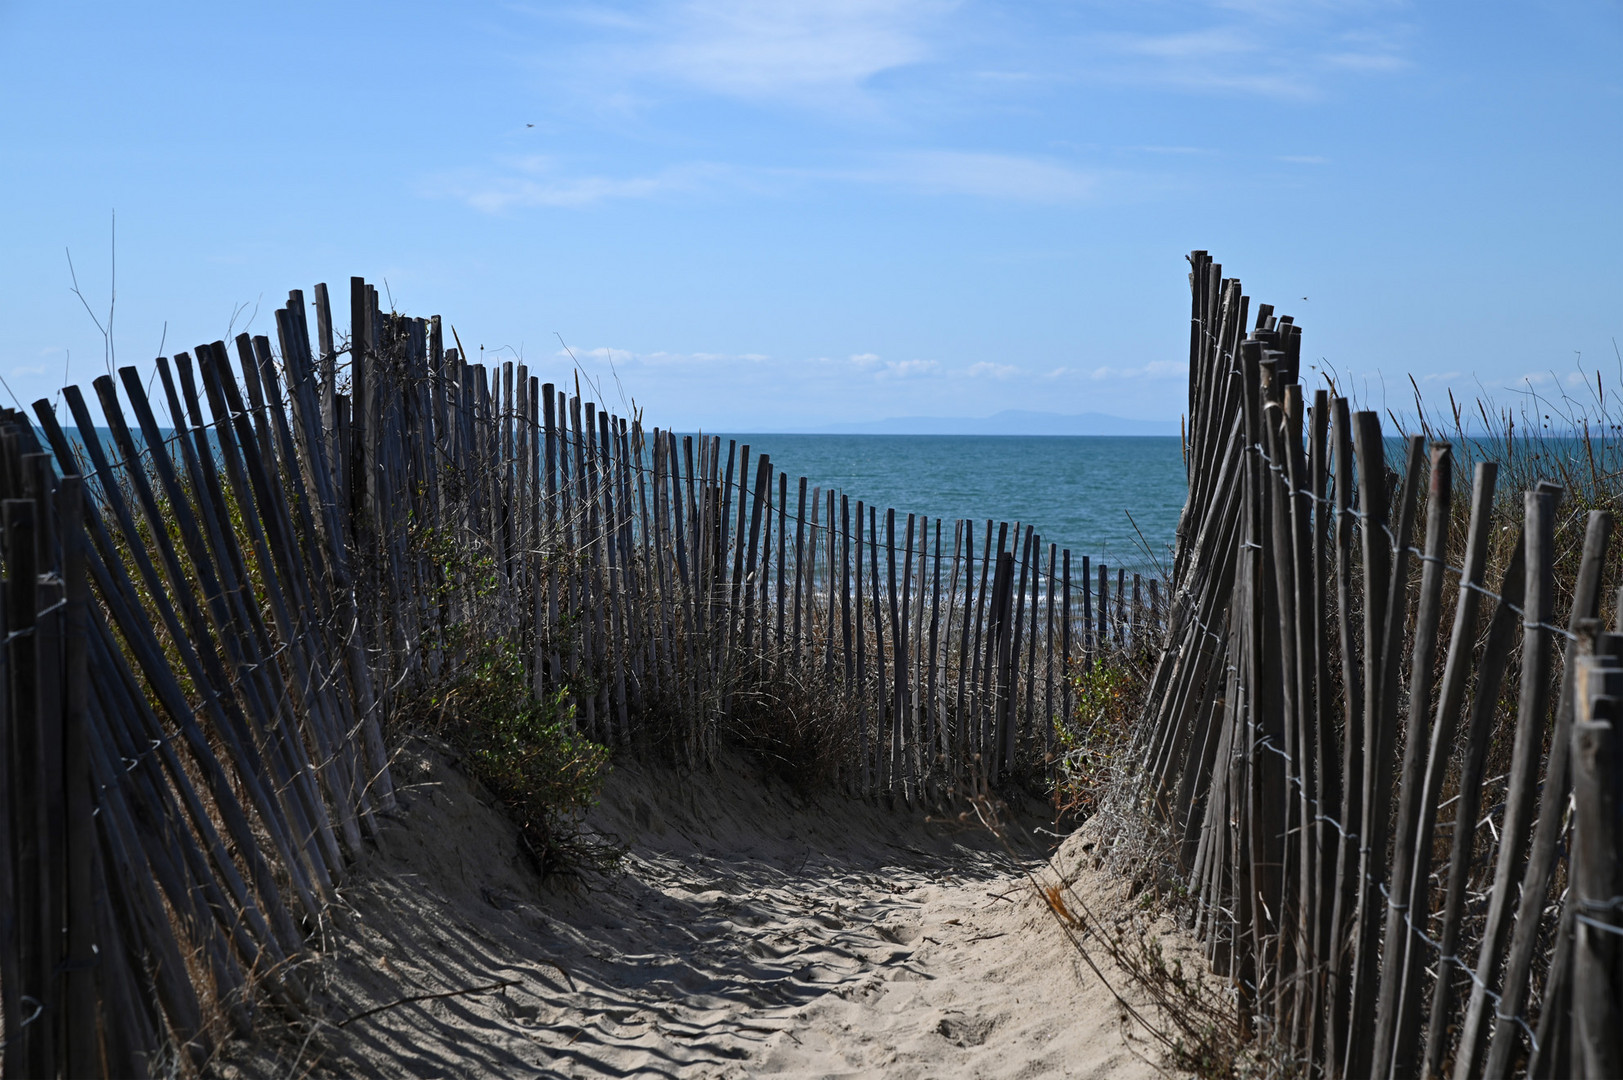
x=80 y=951
x=1597 y=1029
x=28 y=1035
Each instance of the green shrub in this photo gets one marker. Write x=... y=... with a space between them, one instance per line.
x=1094 y=740
x=527 y=752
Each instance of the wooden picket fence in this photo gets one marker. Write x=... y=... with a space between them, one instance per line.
x=1311 y=710
x=210 y=622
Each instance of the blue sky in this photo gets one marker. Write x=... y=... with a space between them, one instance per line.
x=778 y=215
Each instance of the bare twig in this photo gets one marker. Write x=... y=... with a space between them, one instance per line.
x=427 y=997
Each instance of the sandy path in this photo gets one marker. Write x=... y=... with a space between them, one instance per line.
x=752 y=934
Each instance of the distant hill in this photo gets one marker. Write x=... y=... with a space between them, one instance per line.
x=1007 y=422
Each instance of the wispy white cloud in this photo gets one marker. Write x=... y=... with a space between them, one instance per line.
x=1009 y=76
x=547 y=182
x=993 y=176
x=1217 y=58
x=908 y=369
x=1189 y=45
x=1183 y=150
x=659 y=362
x=1304 y=159
x=1279 y=11
x=1238 y=50
x=1534 y=378
x=1373 y=62
x=540 y=181
x=1155 y=369
x=987 y=369
x=661 y=358
x=820 y=55
x=790 y=48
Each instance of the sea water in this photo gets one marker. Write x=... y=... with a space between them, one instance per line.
x=1113 y=498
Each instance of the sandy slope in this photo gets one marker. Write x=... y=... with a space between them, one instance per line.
x=752 y=934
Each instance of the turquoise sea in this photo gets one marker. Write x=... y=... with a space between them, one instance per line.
x=1084 y=493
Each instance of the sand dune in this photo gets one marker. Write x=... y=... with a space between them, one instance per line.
x=752 y=933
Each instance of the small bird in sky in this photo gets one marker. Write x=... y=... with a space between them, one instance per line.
x=529 y=125
x=1304 y=298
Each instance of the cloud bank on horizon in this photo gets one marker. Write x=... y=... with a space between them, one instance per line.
x=785 y=213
